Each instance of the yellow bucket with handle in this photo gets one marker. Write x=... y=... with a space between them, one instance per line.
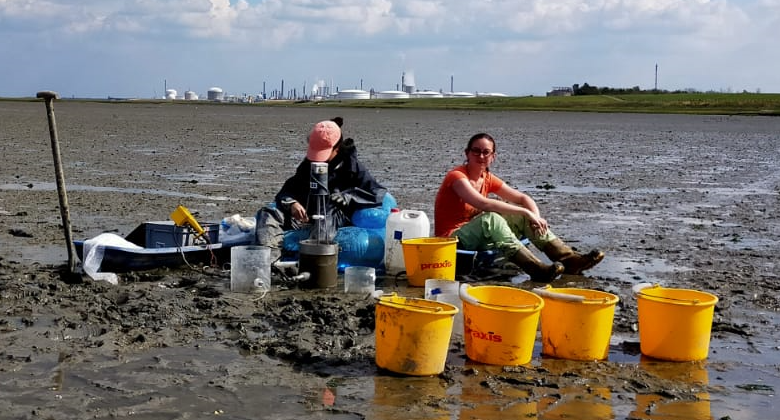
x=674 y=324
x=499 y=323
x=576 y=323
x=413 y=335
x=429 y=258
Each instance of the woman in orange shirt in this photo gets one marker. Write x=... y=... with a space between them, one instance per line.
x=463 y=209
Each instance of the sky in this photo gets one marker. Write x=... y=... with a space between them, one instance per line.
x=140 y=48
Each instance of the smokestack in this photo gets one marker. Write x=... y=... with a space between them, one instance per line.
x=452 y=83
x=656 y=77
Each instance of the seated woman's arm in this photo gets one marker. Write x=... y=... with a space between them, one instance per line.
x=521 y=199
x=516 y=202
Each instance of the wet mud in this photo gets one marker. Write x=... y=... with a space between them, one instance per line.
x=682 y=201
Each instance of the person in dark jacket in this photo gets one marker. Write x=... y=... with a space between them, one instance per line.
x=350 y=187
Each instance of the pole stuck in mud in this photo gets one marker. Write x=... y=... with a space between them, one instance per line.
x=49 y=97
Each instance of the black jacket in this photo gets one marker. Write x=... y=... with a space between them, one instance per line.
x=346 y=175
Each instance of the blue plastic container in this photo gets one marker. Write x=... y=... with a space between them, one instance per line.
x=357 y=246
x=360 y=246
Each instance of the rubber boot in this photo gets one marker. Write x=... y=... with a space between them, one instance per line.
x=573 y=262
x=534 y=267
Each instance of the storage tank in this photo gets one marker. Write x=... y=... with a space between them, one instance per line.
x=427 y=94
x=353 y=94
x=462 y=95
x=190 y=96
x=392 y=94
x=170 y=94
x=215 y=94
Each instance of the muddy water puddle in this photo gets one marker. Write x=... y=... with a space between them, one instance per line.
x=197 y=382
x=211 y=379
x=208 y=380
x=695 y=390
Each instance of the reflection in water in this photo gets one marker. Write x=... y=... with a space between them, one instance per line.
x=484 y=396
x=573 y=402
x=501 y=392
x=577 y=403
x=59 y=373
x=328 y=397
x=687 y=377
x=489 y=392
x=418 y=397
x=58 y=380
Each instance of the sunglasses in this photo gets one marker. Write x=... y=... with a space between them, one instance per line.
x=480 y=152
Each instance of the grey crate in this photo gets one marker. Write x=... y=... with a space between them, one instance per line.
x=166 y=234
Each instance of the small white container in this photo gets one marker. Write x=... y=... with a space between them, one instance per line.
x=250 y=268
x=359 y=279
x=447 y=291
x=402 y=224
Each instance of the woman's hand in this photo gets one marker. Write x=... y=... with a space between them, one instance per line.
x=539 y=225
x=299 y=213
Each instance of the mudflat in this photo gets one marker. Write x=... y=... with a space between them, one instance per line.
x=682 y=201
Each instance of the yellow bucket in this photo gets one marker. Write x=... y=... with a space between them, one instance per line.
x=500 y=324
x=429 y=258
x=412 y=335
x=576 y=323
x=674 y=324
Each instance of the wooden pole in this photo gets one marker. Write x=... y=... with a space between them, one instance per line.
x=49 y=97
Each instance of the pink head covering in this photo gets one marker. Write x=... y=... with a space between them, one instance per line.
x=322 y=138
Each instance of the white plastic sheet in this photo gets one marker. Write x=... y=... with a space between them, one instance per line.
x=235 y=229
x=93 y=255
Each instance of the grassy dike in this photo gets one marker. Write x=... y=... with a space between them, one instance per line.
x=665 y=103
x=703 y=103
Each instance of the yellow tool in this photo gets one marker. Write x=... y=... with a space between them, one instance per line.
x=182 y=216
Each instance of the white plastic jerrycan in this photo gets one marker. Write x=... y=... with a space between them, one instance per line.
x=402 y=224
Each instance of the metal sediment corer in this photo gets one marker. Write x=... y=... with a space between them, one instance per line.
x=319 y=179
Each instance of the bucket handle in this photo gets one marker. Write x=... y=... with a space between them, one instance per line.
x=378 y=299
x=465 y=296
x=546 y=292
x=689 y=301
x=637 y=289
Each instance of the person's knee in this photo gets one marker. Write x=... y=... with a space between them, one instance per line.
x=497 y=228
x=492 y=218
x=268 y=226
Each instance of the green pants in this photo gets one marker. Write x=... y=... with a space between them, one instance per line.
x=494 y=231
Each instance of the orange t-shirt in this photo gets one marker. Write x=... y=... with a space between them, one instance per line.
x=450 y=211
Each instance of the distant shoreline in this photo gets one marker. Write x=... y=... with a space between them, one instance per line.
x=764 y=104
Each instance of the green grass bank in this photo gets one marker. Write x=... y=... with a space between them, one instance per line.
x=666 y=103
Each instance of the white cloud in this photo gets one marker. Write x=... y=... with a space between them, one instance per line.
x=543 y=42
